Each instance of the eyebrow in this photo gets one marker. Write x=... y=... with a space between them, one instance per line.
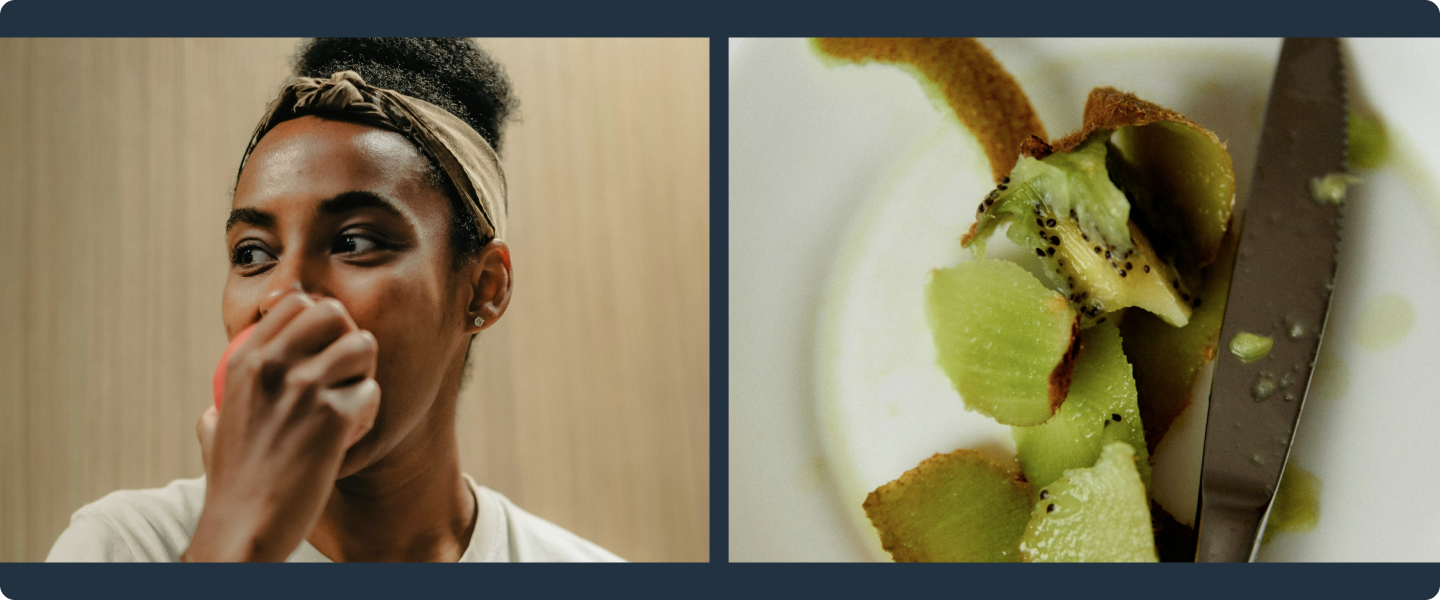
x=348 y=201
x=250 y=216
x=340 y=204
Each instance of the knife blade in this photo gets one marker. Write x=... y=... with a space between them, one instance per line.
x=1280 y=288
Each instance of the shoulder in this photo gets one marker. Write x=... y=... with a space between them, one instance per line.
x=152 y=525
x=533 y=539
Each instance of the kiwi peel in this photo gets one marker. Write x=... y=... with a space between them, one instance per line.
x=963 y=75
x=956 y=507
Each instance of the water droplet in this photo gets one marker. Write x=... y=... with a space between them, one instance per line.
x=1263 y=388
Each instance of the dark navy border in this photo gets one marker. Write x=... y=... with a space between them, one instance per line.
x=1168 y=581
x=67 y=18
x=1144 y=18
x=719 y=301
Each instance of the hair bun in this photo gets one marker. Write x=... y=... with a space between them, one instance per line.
x=452 y=73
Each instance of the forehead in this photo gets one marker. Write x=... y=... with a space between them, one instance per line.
x=306 y=160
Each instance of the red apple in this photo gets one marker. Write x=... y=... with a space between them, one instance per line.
x=219 y=381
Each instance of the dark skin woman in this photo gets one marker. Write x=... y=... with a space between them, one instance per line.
x=351 y=215
x=366 y=242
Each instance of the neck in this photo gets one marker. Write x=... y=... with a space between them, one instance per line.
x=412 y=506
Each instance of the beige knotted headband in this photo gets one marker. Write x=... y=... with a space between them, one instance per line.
x=465 y=157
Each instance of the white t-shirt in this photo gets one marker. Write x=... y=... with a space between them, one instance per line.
x=155 y=525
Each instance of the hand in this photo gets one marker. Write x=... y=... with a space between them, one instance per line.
x=298 y=394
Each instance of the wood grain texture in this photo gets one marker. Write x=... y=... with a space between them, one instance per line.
x=589 y=402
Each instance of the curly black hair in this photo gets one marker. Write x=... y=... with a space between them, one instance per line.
x=452 y=73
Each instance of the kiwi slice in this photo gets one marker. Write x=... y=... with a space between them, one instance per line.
x=1096 y=514
x=1168 y=360
x=1177 y=174
x=956 y=507
x=1006 y=342
x=1183 y=186
x=1068 y=210
x=1101 y=408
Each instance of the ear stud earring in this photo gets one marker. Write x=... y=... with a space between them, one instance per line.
x=479 y=322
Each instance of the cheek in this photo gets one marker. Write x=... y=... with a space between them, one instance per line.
x=239 y=302
x=404 y=307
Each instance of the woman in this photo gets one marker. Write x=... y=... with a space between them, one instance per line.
x=366 y=243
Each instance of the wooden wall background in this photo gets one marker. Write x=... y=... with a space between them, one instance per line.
x=589 y=404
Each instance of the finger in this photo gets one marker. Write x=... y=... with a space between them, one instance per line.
x=347 y=361
x=357 y=405
x=315 y=328
x=279 y=316
x=205 y=431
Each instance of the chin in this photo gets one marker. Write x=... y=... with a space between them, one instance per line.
x=360 y=456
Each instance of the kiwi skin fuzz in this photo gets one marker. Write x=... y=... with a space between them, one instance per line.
x=961 y=74
x=956 y=507
x=1064 y=374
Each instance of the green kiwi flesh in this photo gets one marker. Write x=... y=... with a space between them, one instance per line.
x=1095 y=514
x=1168 y=360
x=1182 y=183
x=1066 y=208
x=1006 y=342
x=1101 y=408
x=957 y=507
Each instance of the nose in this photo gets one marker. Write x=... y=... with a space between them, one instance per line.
x=296 y=272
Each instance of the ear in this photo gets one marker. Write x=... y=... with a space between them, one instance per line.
x=490 y=284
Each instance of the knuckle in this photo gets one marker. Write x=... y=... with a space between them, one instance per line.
x=331 y=308
x=364 y=342
x=292 y=302
x=328 y=409
x=268 y=361
x=254 y=362
x=302 y=379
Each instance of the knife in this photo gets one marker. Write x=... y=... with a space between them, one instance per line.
x=1281 y=284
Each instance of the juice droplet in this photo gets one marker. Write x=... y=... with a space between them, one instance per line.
x=1331 y=188
x=1369 y=144
x=1263 y=388
x=1249 y=347
x=1297 y=503
x=1386 y=320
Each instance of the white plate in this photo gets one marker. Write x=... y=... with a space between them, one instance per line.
x=847 y=186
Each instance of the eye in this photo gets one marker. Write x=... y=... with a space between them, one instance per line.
x=354 y=243
x=250 y=255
